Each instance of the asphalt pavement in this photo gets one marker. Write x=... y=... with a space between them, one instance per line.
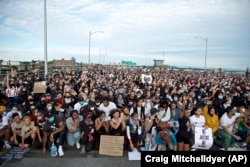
x=72 y=158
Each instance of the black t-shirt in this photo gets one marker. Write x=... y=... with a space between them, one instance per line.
x=117 y=131
x=50 y=127
x=185 y=125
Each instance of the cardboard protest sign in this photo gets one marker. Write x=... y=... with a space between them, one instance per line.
x=39 y=87
x=111 y=145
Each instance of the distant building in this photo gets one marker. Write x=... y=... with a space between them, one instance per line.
x=64 y=62
x=159 y=64
x=217 y=70
x=10 y=63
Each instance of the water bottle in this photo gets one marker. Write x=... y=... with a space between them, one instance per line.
x=53 y=150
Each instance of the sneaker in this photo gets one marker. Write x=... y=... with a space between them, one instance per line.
x=7 y=146
x=222 y=149
x=248 y=147
x=236 y=145
x=170 y=146
x=243 y=144
x=83 y=150
x=78 y=146
x=138 y=149
x=60 y=151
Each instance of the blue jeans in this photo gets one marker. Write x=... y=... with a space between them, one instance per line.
x=73 y=138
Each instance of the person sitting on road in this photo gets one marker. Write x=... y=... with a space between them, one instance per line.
x=54 y=128
x=101 y=127
x=16 y=127
x=28 y=133
x=225 y=136
x=117 y=123
x=4 y=131
x=73 y=133
x=134 y=132
x=87 y=133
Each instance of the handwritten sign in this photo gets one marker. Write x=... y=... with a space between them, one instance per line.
x=40 y=87
x=111 y=145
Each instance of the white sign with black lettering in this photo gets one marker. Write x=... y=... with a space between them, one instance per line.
x=174 y=125
x=203 y=138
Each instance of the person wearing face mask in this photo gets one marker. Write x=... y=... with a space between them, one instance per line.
x=87 y=129
x=218 y=101
x=27 y=107
x=23 y=95
x=97 y=101
x=49 y=108
x=198 y=100
x=64 y=111
x=81 y=102
x=53 y=131
x=89 y=108
x=42 y=103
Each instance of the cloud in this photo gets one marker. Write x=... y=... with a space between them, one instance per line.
x=131 y=28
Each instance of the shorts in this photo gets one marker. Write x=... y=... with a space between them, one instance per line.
x=184 y=137
x=28 y=140
x=19 y=139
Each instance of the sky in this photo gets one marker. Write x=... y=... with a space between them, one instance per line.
x=131 y=30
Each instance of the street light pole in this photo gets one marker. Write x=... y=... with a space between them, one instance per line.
x=45 y=41
x=205 y=39
x=91 y=33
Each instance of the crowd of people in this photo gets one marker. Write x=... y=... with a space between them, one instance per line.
x=154 y=109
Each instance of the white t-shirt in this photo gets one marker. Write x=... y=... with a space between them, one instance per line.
x=164 y=115
x=10 y=113
x=225 y=121
x=197 y=121
x=107 y=109
x=4 y=122
x=78 y=106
